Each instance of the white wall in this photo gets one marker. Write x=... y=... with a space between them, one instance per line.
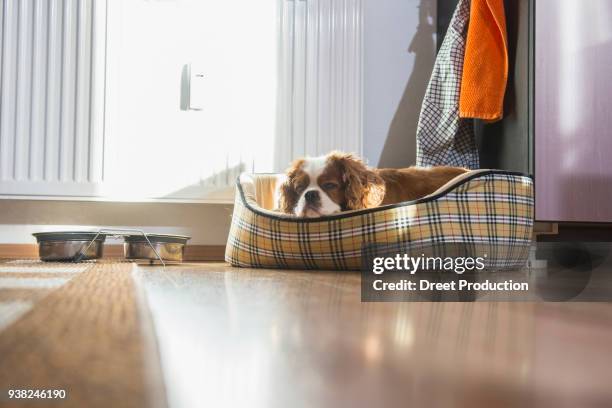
x=399 y=55
x=207 y=224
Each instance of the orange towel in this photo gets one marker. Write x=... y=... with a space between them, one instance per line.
x=485 y=64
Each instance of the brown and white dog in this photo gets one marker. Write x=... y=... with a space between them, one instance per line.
x=340 y=182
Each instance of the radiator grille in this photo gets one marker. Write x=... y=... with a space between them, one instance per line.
x=52 y=61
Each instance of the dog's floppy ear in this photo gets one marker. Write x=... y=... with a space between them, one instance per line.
x=363 y=187
x=288 y=196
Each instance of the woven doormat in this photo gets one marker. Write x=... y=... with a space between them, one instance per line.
x=88 y=335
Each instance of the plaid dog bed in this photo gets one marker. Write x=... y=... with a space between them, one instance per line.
x=488 y=209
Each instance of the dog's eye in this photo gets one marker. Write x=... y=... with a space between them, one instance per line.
x=299 y=188
x=329 y=186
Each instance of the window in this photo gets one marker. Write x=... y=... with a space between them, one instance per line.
x=172 y=99
x=158 y=146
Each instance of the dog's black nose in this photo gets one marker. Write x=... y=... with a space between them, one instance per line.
x=312 y=196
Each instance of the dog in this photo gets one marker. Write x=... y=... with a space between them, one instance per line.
x=341 y=182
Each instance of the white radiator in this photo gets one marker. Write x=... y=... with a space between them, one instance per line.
x=320 y=78
x=52 y=60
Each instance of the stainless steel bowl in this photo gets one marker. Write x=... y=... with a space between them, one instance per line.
x=169 y=247
x=66 y=246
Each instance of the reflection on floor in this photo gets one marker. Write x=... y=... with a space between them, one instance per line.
x=261 y=338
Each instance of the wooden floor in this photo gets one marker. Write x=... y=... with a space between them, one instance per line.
x=239 y=337
x=228 y=337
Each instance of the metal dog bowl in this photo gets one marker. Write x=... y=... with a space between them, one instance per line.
x=68 y=246
x=169 y=247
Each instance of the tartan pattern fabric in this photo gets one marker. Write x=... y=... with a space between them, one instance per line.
x=443 y=138
x=493 y=209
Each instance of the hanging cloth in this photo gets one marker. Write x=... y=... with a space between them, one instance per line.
x=485 y=66
x=443 y=138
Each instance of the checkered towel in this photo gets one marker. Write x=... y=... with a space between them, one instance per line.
x=443 y=138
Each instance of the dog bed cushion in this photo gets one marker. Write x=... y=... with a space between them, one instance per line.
x=482 y=207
